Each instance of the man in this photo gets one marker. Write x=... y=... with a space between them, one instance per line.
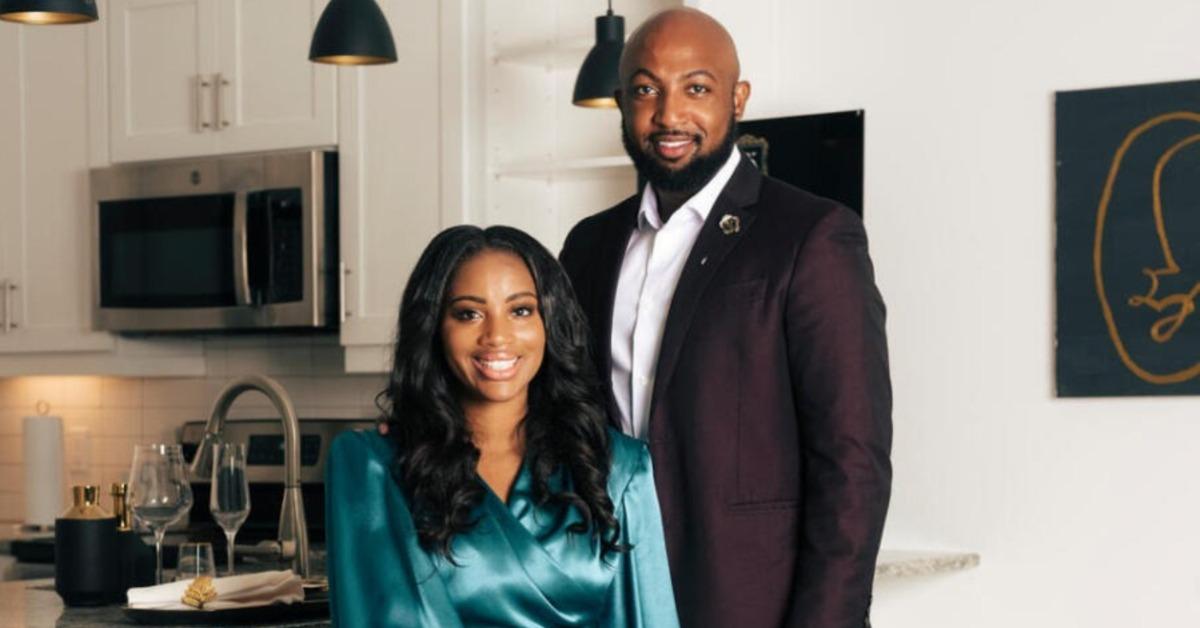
x=740 y=325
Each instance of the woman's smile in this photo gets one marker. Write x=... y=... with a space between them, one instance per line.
x=496 y=367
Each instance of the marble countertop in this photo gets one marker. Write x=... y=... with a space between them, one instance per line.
x=910 y=563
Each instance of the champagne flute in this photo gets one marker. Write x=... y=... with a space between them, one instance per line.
x=230 y=498
x=159 y=493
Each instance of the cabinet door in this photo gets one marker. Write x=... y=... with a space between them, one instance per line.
x=12 y=211
x=161 y=54
x=45 y=241
x=404 y=134
x=271 y=95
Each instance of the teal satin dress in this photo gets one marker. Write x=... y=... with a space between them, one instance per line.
x=519 y=566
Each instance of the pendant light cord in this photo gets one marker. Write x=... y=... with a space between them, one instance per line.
x=610 y=7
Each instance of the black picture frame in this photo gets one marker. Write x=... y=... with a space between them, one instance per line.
x=1127 y=257
x=821 y=153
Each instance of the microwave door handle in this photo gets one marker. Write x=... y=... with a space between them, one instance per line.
x=241 y=275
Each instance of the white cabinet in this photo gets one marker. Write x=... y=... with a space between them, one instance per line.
x=275 y=97
x=161 y=57
x=409 y=139
x=45 y=240
x=200 y=77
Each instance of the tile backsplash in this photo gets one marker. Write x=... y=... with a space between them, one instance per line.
x=103 y=417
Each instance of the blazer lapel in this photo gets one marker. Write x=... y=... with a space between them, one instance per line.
x=709 y=250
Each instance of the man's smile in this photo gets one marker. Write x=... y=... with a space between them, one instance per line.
x=673 y=147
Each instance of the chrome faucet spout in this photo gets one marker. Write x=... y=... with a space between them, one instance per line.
x=293 y=528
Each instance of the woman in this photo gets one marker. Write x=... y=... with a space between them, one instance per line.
x=498 y=496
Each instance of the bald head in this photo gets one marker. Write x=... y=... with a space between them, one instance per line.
x=681 y=30
x=680 y=97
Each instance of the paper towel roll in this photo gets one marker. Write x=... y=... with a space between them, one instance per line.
x=45 y=478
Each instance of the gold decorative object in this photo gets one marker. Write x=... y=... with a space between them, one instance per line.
x=730 y=224
x=85 y=504
x=200 y=592
x=120 y=500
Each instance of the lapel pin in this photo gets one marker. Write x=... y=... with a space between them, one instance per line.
x=730 y=224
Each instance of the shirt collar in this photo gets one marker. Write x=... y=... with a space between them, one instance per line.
x=701 y=203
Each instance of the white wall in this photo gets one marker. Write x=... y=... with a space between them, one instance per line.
x=1085 y=512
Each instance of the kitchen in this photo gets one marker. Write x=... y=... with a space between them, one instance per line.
x=1057 y=511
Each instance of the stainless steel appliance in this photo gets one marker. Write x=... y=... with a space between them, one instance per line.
x=237 y=242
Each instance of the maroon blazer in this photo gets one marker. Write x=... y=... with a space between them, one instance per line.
x=770 y=418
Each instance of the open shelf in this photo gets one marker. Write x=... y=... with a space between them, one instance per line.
x=567 y=167
x=563 y=53
x=908 y=563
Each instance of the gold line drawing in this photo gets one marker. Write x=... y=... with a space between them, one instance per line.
x=1163 y=329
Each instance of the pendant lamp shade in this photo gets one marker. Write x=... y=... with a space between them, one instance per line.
x=352 y=32
x=598 y=77
x=48 y=11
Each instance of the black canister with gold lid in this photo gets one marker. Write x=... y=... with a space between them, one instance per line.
x=86 y=560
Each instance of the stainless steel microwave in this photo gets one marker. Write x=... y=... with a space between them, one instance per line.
x=234 y=242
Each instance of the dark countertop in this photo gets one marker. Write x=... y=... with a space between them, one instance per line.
x=34 y=604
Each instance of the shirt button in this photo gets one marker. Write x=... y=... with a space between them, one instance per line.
x=643 y=380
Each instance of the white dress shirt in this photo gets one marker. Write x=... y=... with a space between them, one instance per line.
x=653 y=261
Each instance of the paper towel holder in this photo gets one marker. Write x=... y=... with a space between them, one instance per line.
x=45 y=473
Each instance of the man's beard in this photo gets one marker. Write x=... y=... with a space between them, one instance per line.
x=689 y=178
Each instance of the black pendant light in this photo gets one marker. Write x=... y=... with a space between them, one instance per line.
x=598 y=78
x=48 y=11
x=352 y=32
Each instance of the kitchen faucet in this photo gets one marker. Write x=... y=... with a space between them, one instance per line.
x=293 y=529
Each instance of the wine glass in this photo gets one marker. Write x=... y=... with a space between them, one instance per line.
x=159 y=493
x=230 y=498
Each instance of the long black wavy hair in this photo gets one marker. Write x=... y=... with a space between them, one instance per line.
x=564 y=429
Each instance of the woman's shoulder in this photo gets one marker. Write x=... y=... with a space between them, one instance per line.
x=630 y=460
x=366 y=444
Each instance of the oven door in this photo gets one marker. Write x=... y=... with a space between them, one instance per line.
x=172 y=253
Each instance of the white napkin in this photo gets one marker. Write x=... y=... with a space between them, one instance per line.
x=255 y=589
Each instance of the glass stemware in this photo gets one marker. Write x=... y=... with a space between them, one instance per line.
x=230 y=498
x=195 y=560
x=159 y=492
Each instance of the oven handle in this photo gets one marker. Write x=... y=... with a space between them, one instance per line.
x=241 y=275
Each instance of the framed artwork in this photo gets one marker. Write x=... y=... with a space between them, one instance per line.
x=1128 y=240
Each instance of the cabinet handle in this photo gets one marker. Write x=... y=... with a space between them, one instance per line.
x=201 y=85
x=219 y=121
x=8 y=287
x=342 y=272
